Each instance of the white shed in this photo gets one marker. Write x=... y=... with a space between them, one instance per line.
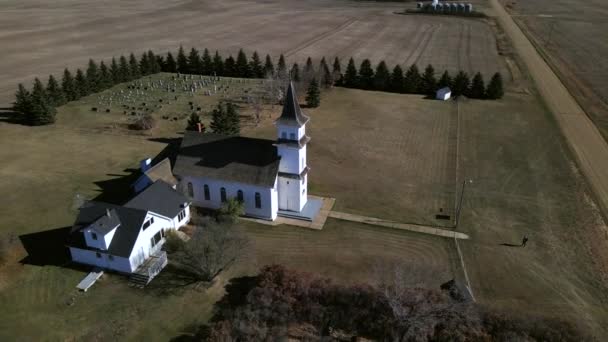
x=444 y=94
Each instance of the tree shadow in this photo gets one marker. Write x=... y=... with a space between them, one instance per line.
x=48 y=248
x=236 y=294
x=9 y=116
x=509 y=245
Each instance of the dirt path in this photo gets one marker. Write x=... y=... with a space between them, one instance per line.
x=590 y=150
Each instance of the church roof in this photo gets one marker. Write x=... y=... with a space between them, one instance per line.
x=292 y=113
x=228 y=158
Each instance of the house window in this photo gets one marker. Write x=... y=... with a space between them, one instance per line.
x=258 y=200
x=223 y=194
x=149 y=223
x=206 y=191
x=98 y=255
x=283 y=135
x=303 y=191
x=111 y=257
x=94 y=236
x=181 y=216
x=156 y=239
x=190 y=190
x=162 y=232
x=292 y=136
x=239 y=196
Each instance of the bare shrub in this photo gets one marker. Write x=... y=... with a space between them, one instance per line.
x=143 y=123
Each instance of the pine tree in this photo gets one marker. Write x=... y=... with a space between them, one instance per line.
x=268 y=67
x=218 y=64
x=93 y=77
x=144 y=65
x=68 y=86
x=42 y=112
x=242 y=65
x=194 y=62
x=351 y=79
x=105 y=77
x=366 y=75
x=133 y=68
x=114 y=72
x=413 y=81
x=219 y=121
x=445 y=81
x=153 y=63
x=23 y=101
x=327 y=78
x=461 y=84
x=495 y=88
x=230 y=67
x=193 y=122
x=182 y=61
x=55 y=95
x=478 y=87
x=207 y=63
x=232 y=114
x=382 y=77
x=336 y=73
x=313 y=95
x=429 y=83
x=170 y=64
x=257 y=71
x=81 y=86
x=282 y=68
x=295 y=73
x=124 y=71
x=397 y=81
x=160 y=62
x=309 y=71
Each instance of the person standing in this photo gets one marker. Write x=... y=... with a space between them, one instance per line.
x=524 y=241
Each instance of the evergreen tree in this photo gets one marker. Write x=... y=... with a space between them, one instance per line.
x=230 y=67
x=232 y=114
x=23 y=101
x=478 y=87
x=144 y=65
x=295 y=73
x=160 y=63
x=242 y=65
x=194 y=62
x=366 y=75
x=170 y=63
x=193 y=122
x=397 y=81
x=42 y=112
x=309 y=71
x=268 y=67
x=495 y=88
x=327 y=78
x=282 y=68
x=105 y=77
x=182 y=61
x=225 y=119
x=133 y=68
x=413 y=81
x=124 y=72
x=154 y=65
x=350 y=79
x=114 y=72
x=445 y=81
x=81 y=85
x=382 y=77
x=207 y=63
x=68 y=86
x=257 y=71
x=461 y=84
x=429 y=83
x=54 y=92
x=218 y=64
x=93 y=77
x=336 y=73
x=313 y=95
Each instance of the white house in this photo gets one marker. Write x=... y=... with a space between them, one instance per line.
x=128 y=238
x=444 y=94
x=268 y=176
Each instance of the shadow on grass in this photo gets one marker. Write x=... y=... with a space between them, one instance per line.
x=9 y=116
x=48 y=248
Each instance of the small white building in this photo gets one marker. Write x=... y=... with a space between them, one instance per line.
x=444 y=94
x=268 y=176
x=128 y=239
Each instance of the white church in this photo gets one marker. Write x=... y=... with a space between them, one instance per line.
x=268 y=176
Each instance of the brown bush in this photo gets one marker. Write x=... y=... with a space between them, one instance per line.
x=143 y=123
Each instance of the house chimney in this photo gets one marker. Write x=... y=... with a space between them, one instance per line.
x=145 y=164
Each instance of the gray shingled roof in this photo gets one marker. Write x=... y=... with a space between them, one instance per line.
x=159 y=198
x=292 y=113
x=229 y=158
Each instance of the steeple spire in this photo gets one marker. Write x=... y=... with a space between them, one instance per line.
x=292 y=113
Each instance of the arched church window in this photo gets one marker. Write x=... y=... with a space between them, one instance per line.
x=206 y=191
x=239 y=196
x=190 y=190
x=292 y=136
x=223 y=194
x=258 y=200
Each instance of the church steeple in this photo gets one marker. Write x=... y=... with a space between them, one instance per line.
x=292 y=113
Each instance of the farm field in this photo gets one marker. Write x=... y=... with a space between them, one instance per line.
x=40 y=38
x=571 y=36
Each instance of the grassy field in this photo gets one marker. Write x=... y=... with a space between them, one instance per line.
x=40 y=38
